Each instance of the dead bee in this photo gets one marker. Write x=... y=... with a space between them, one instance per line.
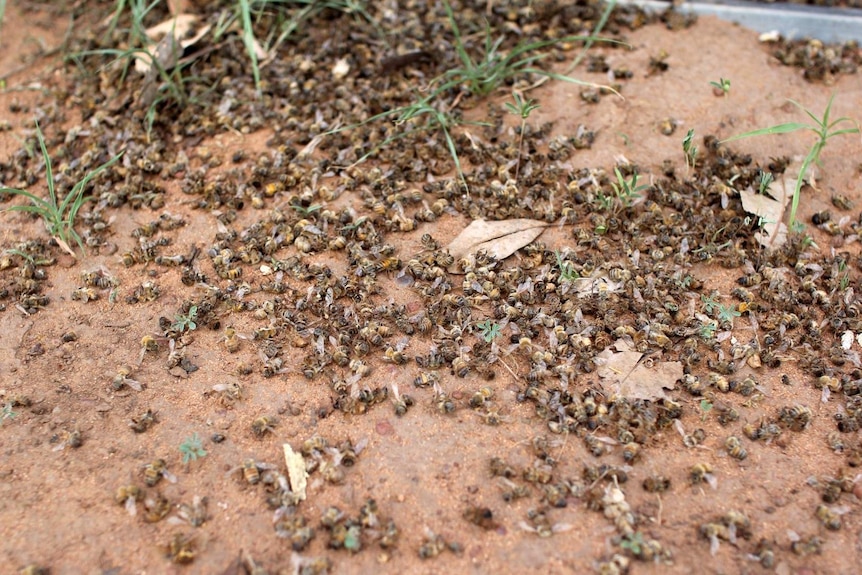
x=803 y=547
x=122 y=379
x=128 y=496
x=251 y=470
x=155 y=471
x=734 y=448
x=631 y=451
x=143 y=422
x=196 y=513
x=842 y=202
x=442 y=401
x=500 y=468
x=396 y=354
x=460 y=367
x=796 y=418
x=828 y=517
x=402 y=402
x=656 y=484
x=481 y=396
x=426 y=379
x=181 y=549
x=701 y=472
x=156 y=508
x=512 y=491
x=229 y=393
x=481 y=516
x=232 y=341
x=263 y=425
x=85 y=294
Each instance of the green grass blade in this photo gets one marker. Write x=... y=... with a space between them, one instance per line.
x=49 y=172
x=248 y=40
x=797 y=192
x=599 y=27
x=32 y=209
x=778 y=129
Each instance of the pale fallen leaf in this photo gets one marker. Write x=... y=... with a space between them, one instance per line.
x=625 y=374
x=296 y=471
x=770 y=210
x=499 y=239
x=179 y=28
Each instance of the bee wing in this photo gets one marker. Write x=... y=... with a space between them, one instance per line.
x=134 y=384
x=130 y=506
x=169 y=476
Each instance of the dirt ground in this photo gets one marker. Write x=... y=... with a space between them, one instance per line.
x=66 y=435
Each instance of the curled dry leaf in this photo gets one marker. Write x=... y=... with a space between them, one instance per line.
x=623 y=372
x=499 y=239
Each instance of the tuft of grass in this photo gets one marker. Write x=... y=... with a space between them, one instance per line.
x=627 y=191
x=822 y=127
x=479 y=75
x=192 y=448
x=58 y=215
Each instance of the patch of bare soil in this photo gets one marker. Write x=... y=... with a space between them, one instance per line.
x=237 y=296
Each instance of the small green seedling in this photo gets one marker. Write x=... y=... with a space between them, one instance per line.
x=58 y=215
x=726 y=313
x=689 y=149
x=489 y=330
x=722 y=87
x=567 y=271
x=192 y=448
x=523 y=109
x=633 y=542
x=7 y=413
x=627 y=191
x=822 y=127
x=705 y=408
x=186 y=322
x=765 y=180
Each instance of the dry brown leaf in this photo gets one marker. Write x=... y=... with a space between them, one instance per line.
x=624 y=373
x=499 y=239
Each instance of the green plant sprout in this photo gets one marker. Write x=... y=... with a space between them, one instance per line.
x=709 y=302
x=627 y=191
x=305 y=211
x=7 y=413
x=705 y=408
x=689 y=149
x=186 y=322
x=822 y=127
x=567 y=270
x=633 y=542
x=722 y=87
x=764 y=181
x=192 y=448
x=59 y=218
x=726 y=313
x=489 y=330
x=523 y=109
x=481 y=76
